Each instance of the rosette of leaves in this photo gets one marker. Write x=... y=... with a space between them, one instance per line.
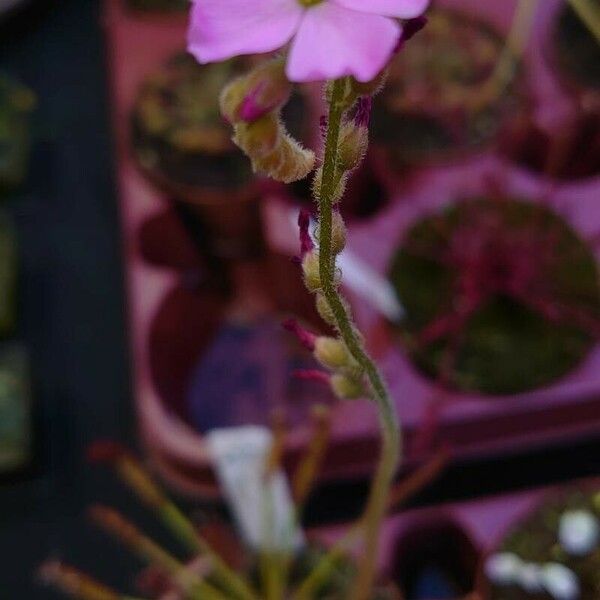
x=501 y=296
x=221 y=565
x=16 y=104
x=435 y=104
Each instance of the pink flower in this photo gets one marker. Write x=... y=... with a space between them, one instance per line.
x=329 y=38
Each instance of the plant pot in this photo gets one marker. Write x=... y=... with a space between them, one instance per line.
x=475 y=281
x=427 y=114
x=183 y=145
x=473 y=422
x=562 y=530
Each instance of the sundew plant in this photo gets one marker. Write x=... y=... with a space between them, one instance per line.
x=347 y=45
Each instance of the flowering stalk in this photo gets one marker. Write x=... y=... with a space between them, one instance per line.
x=391 y=439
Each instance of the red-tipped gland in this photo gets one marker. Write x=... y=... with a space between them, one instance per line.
x=307 y=339
x=251 y=109
x=312 y=375
x=306 y=243
x=409 y=29
x=106 y=451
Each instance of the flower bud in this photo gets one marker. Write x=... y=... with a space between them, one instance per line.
x=338 y=233
x=258 y=138
x=346 y=388
x=296 y=162
x=324 y=310
x=272 y=151
x=332 y=353
x=252 y=96
x=354 y=140
x=312 y=274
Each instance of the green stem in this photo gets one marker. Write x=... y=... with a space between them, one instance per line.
x=589 y=14
x=391 y=441
x=181 y=526
x=326 y=566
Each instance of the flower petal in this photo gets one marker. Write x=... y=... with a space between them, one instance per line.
x=221 y=29
x=402 y=9
x=333 y=41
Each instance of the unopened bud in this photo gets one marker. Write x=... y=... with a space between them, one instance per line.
x=338 y=233
x=346 y=388
x=272 y=151
x=259 y=138
x=262 y=91
x=312 y=274
x=332 y=353
x=354 y=140
x=324 y=310
x=288 y=162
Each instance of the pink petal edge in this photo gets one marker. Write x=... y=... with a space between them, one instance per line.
x=221 y=29
x=402 y=9
x=333 y=41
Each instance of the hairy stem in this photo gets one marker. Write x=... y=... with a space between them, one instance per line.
x=391 y=441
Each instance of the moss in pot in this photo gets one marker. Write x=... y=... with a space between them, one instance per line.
x=551 y=554
x=436 y=104
x=501 y=296
x=179 y=137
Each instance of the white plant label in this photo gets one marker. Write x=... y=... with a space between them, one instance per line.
x=262 y=507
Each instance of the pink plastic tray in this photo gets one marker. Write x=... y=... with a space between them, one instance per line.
x=137 y=46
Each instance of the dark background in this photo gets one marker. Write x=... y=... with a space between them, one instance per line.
x=72 y=318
